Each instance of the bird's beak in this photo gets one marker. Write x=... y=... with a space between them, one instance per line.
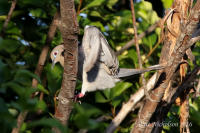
x=53 y=63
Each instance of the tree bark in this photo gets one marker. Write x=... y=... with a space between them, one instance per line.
x=69 y=30
x=178 y=36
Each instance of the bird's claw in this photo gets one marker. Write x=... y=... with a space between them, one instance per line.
x=78 y=96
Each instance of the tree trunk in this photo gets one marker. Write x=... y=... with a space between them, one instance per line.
x=69 y=31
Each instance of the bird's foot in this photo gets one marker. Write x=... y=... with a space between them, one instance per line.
x=78 y=96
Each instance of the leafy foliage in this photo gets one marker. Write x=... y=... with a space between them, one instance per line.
x=24 y=38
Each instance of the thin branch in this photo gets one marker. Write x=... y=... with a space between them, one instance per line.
x=194 y=40
x=20 y=120
x=153 y=49
x=130 y=105
x=160 y=23
x=137 y=46
x=140 y=36
x=14 y=2
x=198 y=88
x=79 y=7
x=135 y=34
x=43 y=55
x=39 y=68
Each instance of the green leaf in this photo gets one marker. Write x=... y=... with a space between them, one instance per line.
x=150 y=40
x=9 y=45
x=41 y=88
x=41 y=105
x=99 y=98
x=98 y=24
x=95 y=14
x=116 y=102
x=87 y=110
x=111 y=3
x=37 y=3
x=54 y=77
x=94 y=3
x=145 y=5
x=167 y=3
x=15 y=87
x=133 y=55
x=153 y=17
x=22 y=75
x=82 y=118
x=4 y=7
x=119 y=89
x=3 y=106
x=49 y=123
x=39 y=13
x=4 y=72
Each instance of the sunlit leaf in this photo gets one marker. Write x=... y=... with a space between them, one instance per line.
x=167 y=3
x=119 y=89
x=38 y=13
x=94 y=3
x=41 y=88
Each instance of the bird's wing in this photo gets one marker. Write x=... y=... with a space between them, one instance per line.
x=96 y=48
x=108 y=57
x=91 y=47
x=123 y=72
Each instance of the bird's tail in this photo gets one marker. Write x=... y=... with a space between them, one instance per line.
x=124 y=72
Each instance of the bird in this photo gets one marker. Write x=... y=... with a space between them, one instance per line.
x=98 y=66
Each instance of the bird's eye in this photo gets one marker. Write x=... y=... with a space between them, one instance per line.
x=55 y=54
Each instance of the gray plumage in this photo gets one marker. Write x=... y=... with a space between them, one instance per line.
x=98 y=64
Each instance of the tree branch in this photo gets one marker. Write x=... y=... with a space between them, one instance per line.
x=135 y=34
x=69 y=30
x=14 y=2
x=160 y=23
x=130 y=105
x=140 y=36
x=178 y=46
x=79 y=7
x=186 y=85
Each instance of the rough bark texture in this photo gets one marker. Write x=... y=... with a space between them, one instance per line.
x=164 y=107
x=69 y=31
x=177 y=40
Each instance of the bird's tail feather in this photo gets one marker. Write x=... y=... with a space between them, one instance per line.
x=124 y=72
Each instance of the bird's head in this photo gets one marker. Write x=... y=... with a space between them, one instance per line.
x=57 y=55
